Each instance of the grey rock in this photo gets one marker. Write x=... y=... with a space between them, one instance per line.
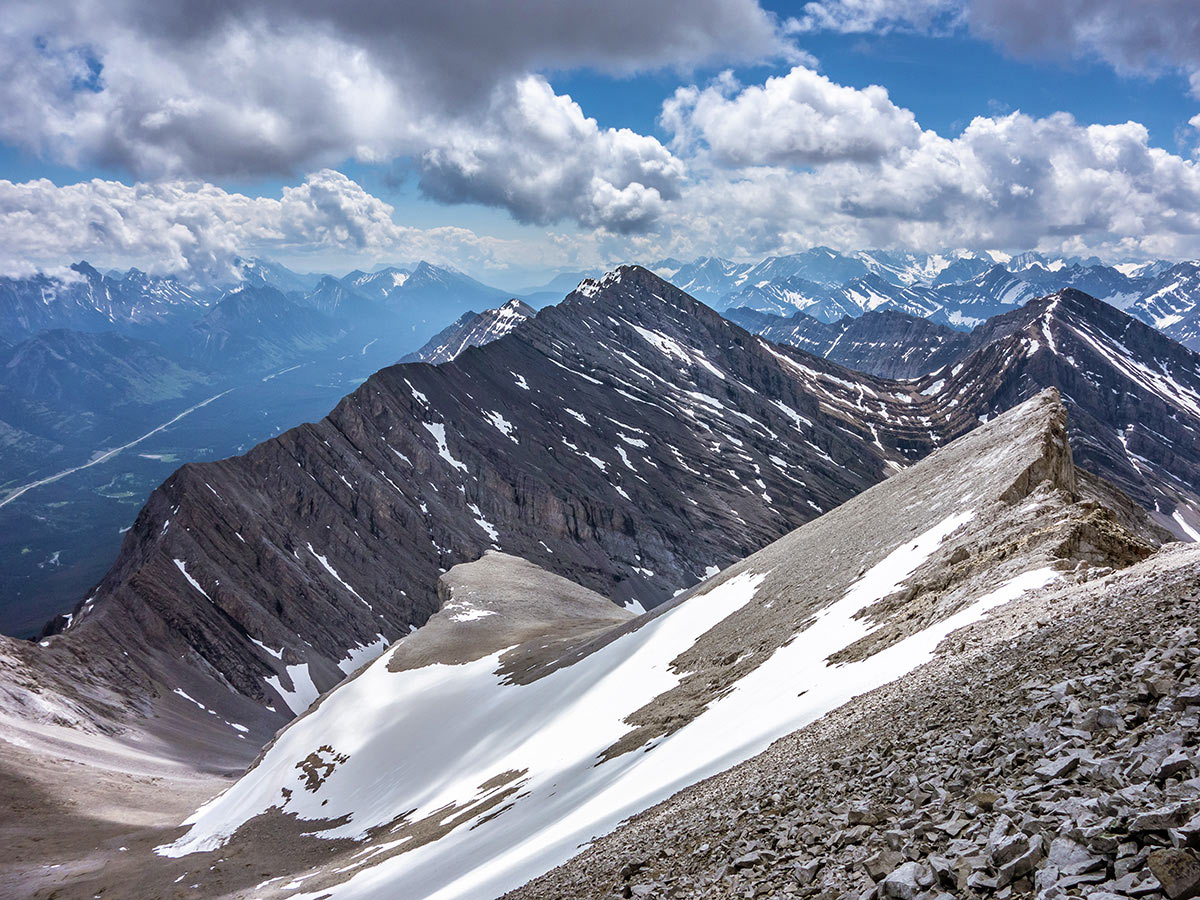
x=1160 y=819
x=1071 y=858
x=907 y=882
x=1178 y=871
x=881 y=863
x=1057 y=768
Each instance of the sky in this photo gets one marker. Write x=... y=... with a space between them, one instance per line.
x=517 y=140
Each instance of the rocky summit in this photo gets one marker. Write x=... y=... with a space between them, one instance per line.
x=471 y=329
x=737 y=619
x=629 y=439
x=564 y=720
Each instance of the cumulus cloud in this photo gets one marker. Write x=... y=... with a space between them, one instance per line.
x=196 y=228
x=562 y=166
x=1011 y=181
x=1140 y=37
x=264 y=87
x=799 y=119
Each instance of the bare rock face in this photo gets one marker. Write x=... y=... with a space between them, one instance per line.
x=628 y=439
x=887 y=343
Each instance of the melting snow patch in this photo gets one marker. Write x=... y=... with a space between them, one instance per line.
x=634 y=606
x=303 y=692
x=465 y=611
x=438 y=430
x=328 y=568
x=484 y=523
x=501 y=424
x=278 y=654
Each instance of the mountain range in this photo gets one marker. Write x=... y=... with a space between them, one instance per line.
x=491 y=609
x=97 y=362
x=957 y=289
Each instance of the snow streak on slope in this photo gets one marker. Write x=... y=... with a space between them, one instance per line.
x=547 y=735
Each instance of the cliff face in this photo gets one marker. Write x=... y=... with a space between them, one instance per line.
x=1133 y=395
x=628 y=439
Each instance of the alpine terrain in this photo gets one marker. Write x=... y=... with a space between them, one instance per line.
x=488 y=610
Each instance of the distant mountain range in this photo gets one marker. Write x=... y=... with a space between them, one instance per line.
x=956 y=289
x=92 y=361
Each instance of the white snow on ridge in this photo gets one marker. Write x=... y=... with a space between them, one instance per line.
x=182 y=567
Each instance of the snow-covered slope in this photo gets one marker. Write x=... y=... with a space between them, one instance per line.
x=465 y=778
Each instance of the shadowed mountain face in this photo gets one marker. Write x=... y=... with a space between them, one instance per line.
x=259 y=326
x=888 y=344
x=629 y=438
x=1133 y=394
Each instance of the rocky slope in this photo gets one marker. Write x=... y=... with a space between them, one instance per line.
x=568 y=732
x=888 y=343
x=629 y=439
x=471 y=329
x=1049 y=750
x=1133 y=394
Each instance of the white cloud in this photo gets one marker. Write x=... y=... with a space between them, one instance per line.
x=799 y=119
x=536 y=154
x=1130 y=37
x=1012 y=181
x=264 y=87
x=196 y=228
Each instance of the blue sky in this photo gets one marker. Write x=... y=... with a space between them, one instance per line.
x=516 y=145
